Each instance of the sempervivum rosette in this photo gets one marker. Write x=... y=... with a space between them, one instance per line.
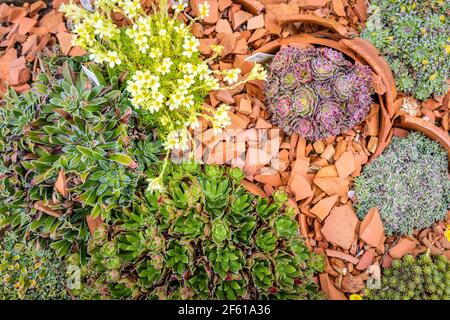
x=317 y=93
x=304 y=101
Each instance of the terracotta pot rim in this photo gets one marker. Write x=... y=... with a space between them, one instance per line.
x=385 y=119
x=430 y=130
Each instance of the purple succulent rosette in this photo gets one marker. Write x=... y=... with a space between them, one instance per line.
x=317 y=93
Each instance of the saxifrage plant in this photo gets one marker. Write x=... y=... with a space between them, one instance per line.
x=414 y=37
x=166 y=78
x=408 y=183
x=316 y=92
x=30 y=273
x=204 y=238
x=67 y=154
x=423 y=278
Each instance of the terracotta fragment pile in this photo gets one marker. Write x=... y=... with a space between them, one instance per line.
x=25 y=32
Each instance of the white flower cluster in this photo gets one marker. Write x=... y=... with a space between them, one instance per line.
x=166 y=77
x=177 y=139
x=221 y=117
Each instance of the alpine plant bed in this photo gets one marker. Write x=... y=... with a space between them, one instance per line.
x=87 y=184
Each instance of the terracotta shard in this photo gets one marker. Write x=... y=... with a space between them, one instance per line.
x=77 y=51
x=346 y=164
x=238 y=121
x=51 y=21
x=361 y=9
x=332 y=185
x=322 y=208
x=342 y=256
x=300 y=187
x=340 y=226
x=213 y=10
x=239 y=17
x=254 y=189
x=256 y=22
x=25 y=25
x=338 y=7
x=65 y=42
x=366 y=260
x=328 y=171
x=403 y=247
x=273 y=180
x=371 y=230
x=223 y=26
x=37 y=6
x=327 y=286
x=252 y=6
x=309 y=18
x=262 y=124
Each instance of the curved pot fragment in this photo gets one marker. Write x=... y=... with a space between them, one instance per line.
x=406 y=121
x=370 y=54
x=310 y=18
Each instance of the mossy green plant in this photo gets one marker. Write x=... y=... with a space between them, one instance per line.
x=408 y=183
x=30 y=273
x=414 y=37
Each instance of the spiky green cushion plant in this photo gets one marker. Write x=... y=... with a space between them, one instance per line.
x=67 y=124
x=414 y=37
x=27 y=272
x=423 y=278
x=408 y=183
x=205 y=237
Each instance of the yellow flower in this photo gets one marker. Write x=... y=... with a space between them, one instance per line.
x=433 y=76
x=217 y=49
x=447 y=48
x=425 y=62
x=447 y=233
x=355 y=297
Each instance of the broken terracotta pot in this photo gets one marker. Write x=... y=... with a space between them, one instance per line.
x=356 y=49
x=406 y=121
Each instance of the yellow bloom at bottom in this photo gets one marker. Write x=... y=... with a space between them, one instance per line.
x=355 y=297
x=447 y=233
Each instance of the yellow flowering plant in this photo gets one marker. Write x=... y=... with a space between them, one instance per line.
x=166 y=78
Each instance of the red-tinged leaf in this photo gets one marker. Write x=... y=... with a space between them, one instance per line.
x=46 y=208
x=61 y=184
x=123 y=159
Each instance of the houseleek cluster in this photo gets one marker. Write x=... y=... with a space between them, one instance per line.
x=317 y=93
